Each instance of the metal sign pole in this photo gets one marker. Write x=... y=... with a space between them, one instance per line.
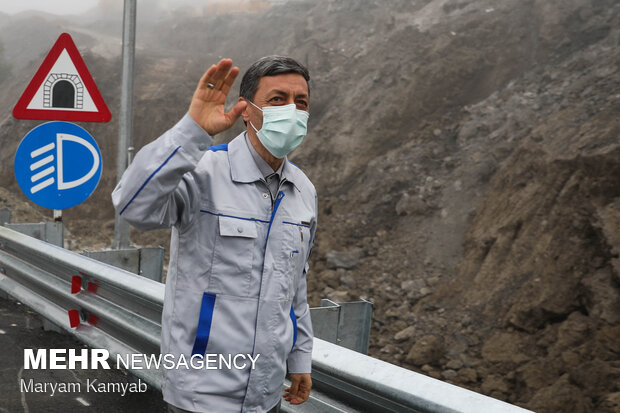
x=121 y=227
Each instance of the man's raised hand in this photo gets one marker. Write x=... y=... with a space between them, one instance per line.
x=207 y=106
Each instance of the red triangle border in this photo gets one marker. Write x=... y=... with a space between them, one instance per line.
x=64 y=42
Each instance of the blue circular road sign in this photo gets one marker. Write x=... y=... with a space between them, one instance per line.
x=58 y=165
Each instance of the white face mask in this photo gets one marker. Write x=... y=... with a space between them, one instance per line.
x=284 y=127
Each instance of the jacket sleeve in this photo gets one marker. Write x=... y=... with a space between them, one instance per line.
x=157 y=190
x=300 y=359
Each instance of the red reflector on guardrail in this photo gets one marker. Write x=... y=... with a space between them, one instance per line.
x=93 y=320
x=76 y=284
x=92 y=287
x=74 y=318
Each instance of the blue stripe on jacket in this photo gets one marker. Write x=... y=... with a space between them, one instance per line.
x=294 y=320
x=204 y=324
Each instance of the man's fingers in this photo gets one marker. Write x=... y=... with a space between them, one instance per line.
x=207 y=105
x=223 y=67
x=304 y=393
x=294 y=386
x=291 y=391
x=232 y=75
x=304 y=389
x=216 y=75
x=230 y=79
x=204 y=80
x=299 y=391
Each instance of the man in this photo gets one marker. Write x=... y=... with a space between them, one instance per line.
x=243 y=221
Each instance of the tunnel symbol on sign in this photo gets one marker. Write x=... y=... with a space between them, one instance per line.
x=44 y=156
x=63 y=90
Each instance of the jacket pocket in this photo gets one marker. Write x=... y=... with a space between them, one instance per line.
x=233 y=256
x=294 y=253
x=237 y=227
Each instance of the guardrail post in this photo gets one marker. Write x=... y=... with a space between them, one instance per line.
x=355 y=323
x=50 y=232
x=148 y=262
x=325 y=321
x=5 y=216
x=55 y=233
x=152 y=263
x=128 y=259
x=345 y=324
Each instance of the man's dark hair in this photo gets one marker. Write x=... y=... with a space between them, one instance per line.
x=269 y=66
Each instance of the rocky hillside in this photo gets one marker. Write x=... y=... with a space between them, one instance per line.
x=466 y=157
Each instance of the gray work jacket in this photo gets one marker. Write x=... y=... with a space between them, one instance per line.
x=236 y=279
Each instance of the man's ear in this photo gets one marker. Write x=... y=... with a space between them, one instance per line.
x=245 y=114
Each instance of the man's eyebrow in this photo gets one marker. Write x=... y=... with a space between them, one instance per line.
x=283 y=93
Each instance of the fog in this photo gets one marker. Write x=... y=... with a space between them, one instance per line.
x=76 y=7
x=61 y=7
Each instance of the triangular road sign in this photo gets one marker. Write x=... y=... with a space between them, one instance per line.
x=62 y=89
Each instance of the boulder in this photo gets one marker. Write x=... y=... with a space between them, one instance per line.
x=427 y=350
x=343 y=259
x=561 y=396
x=412 y=205
x=405 y=334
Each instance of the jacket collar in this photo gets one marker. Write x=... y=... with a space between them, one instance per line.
x=243 y=169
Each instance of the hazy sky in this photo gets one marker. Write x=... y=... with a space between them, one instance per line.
x=50 y=6
x=80 y=6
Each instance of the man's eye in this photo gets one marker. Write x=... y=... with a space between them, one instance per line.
x=275 y=99
x=302 y=104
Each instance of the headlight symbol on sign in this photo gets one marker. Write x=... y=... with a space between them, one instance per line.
x=48 y=151
x=58 y=165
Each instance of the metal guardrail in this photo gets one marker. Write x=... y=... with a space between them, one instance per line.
x=121 y=312
x=118 y=310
